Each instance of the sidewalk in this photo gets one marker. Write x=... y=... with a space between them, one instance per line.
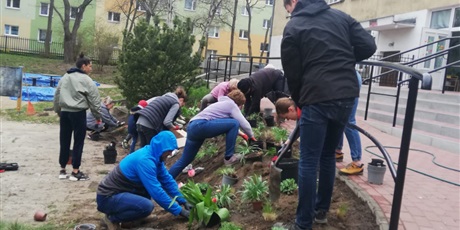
x=427 y=203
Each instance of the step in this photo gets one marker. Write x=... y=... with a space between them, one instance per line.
x=434 y=127
x=452 y=97
x=428 y=114
x=441 y=142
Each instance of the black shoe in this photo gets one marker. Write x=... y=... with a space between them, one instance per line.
x=79 y=176
x=320 y=217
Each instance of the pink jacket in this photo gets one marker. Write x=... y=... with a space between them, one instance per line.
x=221 y=89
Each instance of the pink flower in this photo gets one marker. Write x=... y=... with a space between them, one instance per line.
x=191 y=172
x=180 y=184
x=214 y=200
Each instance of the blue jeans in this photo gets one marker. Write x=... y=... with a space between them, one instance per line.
x=321 y=126
x=198 y=131
x=352 y=136
x=124 y=207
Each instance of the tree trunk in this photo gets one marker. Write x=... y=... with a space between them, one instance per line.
x=48 y=28
x=248 y=8
x=265 y=42
x=232 y=36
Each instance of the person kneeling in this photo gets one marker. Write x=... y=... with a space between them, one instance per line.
x=124 y=194
x=108 y=121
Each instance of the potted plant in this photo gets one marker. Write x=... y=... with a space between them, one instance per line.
x=255 y=191
x=229 y=226
x=252 y=119
x=229 y=176
x=288 y=186
x=205 y=210
x=279 y=135
x=224 y=196
x=249 y=152
x=268 y=212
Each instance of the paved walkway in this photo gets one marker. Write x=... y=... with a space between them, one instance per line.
x=428 y=203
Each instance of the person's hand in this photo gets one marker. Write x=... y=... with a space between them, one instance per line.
x=187 y=206
x=184 y=213
x=253 y=139
x=245 y=137
x=120 y=123
x=176 y=127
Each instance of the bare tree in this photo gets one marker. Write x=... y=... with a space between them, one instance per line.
x=265 y=45
x=48 y=28
x=249 y=7
x=70 y=35
x=206 y=20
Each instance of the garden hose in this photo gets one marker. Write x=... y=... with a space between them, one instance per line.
x=416 y=171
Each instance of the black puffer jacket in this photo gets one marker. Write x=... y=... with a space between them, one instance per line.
x=319 y=51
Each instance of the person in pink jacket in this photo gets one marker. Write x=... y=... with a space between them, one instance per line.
x=222 y=89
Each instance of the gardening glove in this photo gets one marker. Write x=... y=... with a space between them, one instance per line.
x=244 y=136
x=184 y=213
x=187 y=206
x=176 y=127
x=253 y=139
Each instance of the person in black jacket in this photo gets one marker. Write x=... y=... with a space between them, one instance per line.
x=159 y=115
x=256 y=86
x=319 y=51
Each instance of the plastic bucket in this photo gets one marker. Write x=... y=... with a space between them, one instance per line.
x=375 y=173
x=290 y=167
x=110 y=156
x=229 y=180
x=270 y=121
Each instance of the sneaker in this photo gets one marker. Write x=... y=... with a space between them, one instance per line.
x=288 y=226
x=320 y=217
x=79 y=176
x=352 y=169
x=124 y=144
x=188 y=167
x=105 y=222
x=338 y=157
x=234 y=159
x=63 y=174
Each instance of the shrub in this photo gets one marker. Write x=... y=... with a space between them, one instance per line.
x=288 y=186
x=195 y=94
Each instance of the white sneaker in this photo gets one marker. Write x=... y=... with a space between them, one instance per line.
x=63 y=175
x=185 y=170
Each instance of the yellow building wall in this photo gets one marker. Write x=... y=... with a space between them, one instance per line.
x=23 y=23
x=222 y=44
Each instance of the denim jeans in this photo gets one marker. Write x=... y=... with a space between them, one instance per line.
x=198 y=131
x=321 y=126
x=354 y=141
x=124 y=207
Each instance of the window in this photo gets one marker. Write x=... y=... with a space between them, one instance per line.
x=330 y=2
x=13 y=4
x=264 y=47
x=114 y=17
x=11 y=30
x=140 y=6
x=44 y=8
x=213 y=32
x=244 y=11
x=73 y=12
x=219 y=10
x=244 y=34
x=440 y=19
x=241 y=56
x=190 y=4
x=210 y=52
x=42 y=35
x=266 y=23
x=269 y=2
x=456 y=18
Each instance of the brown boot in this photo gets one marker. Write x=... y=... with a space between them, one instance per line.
x=338 y=156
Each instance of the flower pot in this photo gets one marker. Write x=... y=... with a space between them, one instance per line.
x=229 y=179
x=85 y=227
x=268 y=112
x=253 y=123
x=270 y=121
x=110 y=156
x=40 y=216
x=257 y=205
x=258 y=144
x=252 y=157
x=288 y=154
x=270 y=144
x=290 y=167
x=376 y=171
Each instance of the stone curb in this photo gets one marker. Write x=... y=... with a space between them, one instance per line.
x=380 y=218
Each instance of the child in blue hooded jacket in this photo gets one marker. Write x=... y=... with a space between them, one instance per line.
x=124 y=194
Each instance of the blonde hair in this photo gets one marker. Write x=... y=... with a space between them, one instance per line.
x=108 y=100
x=282 y=105
x=237 y=96
x=233 y=84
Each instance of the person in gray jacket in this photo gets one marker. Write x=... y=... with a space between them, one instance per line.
x=159 y=115
x=108 y=121
x=75 y=93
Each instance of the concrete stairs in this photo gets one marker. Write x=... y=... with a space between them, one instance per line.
x=437 y=116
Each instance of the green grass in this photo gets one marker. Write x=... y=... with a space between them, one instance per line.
x=39 y=107
x=35 y=64
x=114 y=93
x=20 y=226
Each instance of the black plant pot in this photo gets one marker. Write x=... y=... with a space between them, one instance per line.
x=253 y=123
x=290 y=168
x=288 y=154
x=258 y=144
x=270 y=145
x=270 y=121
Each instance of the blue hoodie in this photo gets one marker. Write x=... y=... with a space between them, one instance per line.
x=143 y=169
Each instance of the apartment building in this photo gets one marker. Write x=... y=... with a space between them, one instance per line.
x=397 y=26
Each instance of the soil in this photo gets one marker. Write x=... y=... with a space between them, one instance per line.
x=35 y=186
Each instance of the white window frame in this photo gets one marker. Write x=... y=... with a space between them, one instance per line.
x=42 y=4
x=269 y=2
x=210 y=52
x=219 y=10
x=242 y=56
x=213 y=32
x=44 y=30
x=244 y=11
x=140 y=7
x=266 y=23
x=7 y=32
x=71 y=10
x=244 y=34
x=449 y=21
x=10 y=4
x=193 y=6
x=266 y=44
x=111 y=17
x=330 y=2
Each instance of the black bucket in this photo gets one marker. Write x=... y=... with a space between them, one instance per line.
x=270 y=121
x=290 y=168
x=110 y=156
